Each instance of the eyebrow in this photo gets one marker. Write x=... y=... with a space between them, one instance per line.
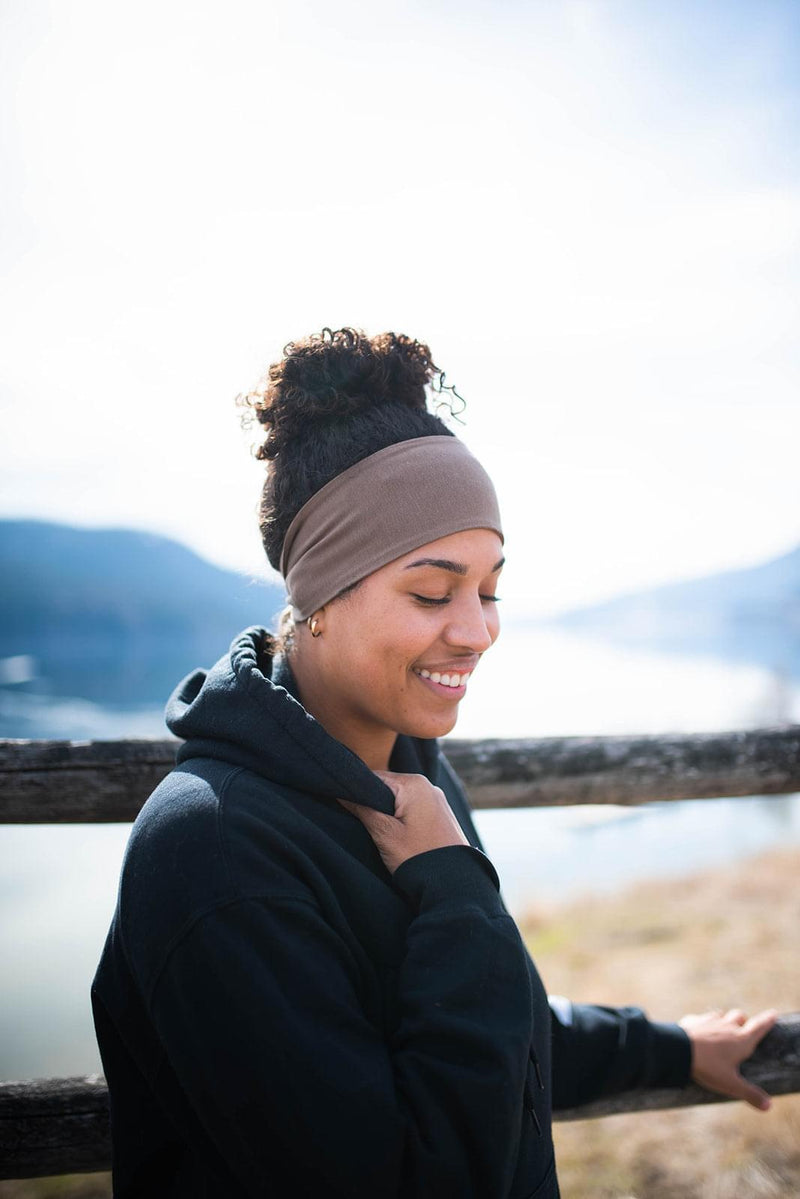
x=456 y=568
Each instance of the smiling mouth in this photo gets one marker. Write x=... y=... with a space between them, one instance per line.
x=444 y=684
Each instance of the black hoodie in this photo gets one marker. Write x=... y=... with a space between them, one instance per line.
x=279 y=1016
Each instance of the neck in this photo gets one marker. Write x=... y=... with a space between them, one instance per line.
x=372 y=743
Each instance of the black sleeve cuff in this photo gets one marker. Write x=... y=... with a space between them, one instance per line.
x=458 y=873
x=670 y=1056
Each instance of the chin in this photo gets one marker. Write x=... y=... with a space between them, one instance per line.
x=432 y=727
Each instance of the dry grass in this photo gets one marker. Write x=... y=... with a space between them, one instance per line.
x=724 y=938
x=72 y=1186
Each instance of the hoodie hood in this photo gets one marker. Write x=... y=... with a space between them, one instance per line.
x=244 y=711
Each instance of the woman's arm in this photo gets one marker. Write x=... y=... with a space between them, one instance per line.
x=602 y=1050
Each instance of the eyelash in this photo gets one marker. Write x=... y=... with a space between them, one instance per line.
x=435 y=603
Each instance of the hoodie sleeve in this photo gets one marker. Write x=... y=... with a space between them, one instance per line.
x=596 y=1050
x=259 y=1008
x=599 y=1051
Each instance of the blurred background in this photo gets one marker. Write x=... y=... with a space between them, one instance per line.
x=589 y=209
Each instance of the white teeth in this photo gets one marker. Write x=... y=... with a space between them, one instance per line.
x=446 y=680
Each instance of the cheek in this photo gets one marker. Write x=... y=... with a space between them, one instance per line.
x=380 y=665
x=419 y=632
x=398 y=660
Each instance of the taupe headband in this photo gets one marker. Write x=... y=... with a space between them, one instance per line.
x=385 y=506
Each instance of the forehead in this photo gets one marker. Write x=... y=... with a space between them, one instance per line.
x=477 y=549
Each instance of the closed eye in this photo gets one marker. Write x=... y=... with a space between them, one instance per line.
x=426 y=599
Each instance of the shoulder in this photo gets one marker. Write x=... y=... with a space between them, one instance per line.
x=199 y=819
x=180 y=818
x=208 y=835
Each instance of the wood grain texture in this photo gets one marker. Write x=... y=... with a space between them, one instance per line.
x=43 y=782
x=80 y=782
x=60 y=1125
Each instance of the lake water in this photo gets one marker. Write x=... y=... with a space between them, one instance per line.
x=58 y=884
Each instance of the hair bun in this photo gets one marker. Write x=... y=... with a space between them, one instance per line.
x=335 y=374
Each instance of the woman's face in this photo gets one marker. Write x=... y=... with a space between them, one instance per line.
x=399 y=651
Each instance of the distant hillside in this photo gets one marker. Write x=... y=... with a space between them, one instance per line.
x=112 y=614
x=750 y=616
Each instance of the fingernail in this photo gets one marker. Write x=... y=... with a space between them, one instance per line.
x=766 y=1104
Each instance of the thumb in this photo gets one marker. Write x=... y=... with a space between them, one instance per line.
x=750 y=1093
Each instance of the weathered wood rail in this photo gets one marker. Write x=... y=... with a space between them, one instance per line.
x=60 y=1126
x=69 y=782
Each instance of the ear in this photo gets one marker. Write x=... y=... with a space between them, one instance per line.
x=315 y=622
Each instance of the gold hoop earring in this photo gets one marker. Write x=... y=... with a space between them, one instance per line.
x=312 y=624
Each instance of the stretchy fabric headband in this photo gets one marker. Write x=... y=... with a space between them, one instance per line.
x=385 y=506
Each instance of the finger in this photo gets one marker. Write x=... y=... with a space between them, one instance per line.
x=355 y=808
x=752 y=1094
x=736 y=1015
x=389 y=777
x=760 y=1024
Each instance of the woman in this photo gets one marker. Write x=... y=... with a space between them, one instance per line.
x=311 y=985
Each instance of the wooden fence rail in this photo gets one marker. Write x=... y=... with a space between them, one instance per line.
x=69 y=782
x=60 y=1126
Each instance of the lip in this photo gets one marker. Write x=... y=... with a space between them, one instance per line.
x=454 y=666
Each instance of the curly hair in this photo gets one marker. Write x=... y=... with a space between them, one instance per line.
x=334 y=398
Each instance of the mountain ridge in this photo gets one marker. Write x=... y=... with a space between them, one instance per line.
x=747 y=614
x=113 y=613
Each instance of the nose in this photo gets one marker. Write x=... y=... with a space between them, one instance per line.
x=471 y=626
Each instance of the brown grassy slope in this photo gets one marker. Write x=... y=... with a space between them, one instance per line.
x=728 y=937
x=71 y=1186
x=724 y=938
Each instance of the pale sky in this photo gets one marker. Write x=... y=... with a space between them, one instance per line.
x=588 y=209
